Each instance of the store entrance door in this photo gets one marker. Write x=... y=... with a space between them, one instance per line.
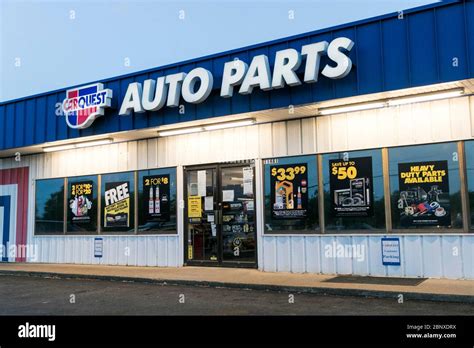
x=220 y=226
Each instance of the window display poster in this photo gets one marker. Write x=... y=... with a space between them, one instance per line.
x=289 y=191
x=351 y=189
x=156 y=189
x=80 y=201
x=117 y=204
x=424 y=194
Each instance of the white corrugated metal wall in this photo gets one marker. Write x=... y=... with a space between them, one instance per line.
x=429 y=255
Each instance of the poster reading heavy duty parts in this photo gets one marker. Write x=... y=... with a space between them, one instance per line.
x=289 y=191
x=351 y=187
x=80 y=201
x=117 y=204
x=424 y=194
x=157 y=195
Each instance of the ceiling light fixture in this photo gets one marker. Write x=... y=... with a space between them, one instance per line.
x=78 y=145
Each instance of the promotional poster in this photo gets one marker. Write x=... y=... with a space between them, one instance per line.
x=351 y=189
x=80 y=201
x=117 y=204
x=289 y=191
x=156 y=191
x=424 y=194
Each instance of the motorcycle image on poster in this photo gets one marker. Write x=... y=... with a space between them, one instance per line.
x=424 y=194
x=351 y=187
x=289 y=191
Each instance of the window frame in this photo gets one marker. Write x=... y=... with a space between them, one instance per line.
x=35 y=232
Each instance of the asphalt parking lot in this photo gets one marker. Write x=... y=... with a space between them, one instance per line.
x=22 y=295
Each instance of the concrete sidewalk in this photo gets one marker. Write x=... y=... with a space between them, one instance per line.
x=430 y=289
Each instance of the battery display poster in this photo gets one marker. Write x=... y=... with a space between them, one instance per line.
x=424 y=194
x=156 y=191
x=117 y=204
x=80 y=201
x=289 y=191
x=351 y=189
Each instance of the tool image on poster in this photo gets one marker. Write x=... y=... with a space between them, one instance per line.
x=424 y=194
x=289 y=191
x=351 y=189
x=117 y=204
x=80 y=201
x=157 y=195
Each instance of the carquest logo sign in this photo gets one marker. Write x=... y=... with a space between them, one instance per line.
x=84 y=104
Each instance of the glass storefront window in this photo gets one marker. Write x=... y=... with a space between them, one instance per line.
x=157 y=201
x=49 y=206
x=82 y=204
x=118 y=202
x=425 y=186
x=291 y=195
x=353 y=190
x=469 y=149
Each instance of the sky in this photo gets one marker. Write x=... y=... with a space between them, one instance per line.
x=47 y=45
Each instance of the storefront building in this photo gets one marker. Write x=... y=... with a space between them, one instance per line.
x=348 y=150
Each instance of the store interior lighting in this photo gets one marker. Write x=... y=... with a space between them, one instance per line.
x=78 y=145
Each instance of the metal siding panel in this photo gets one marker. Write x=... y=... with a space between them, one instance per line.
x=395 y=53
x=376 y=268
x=452 y=257
x=412 y=256
x=328 y=262
x=3 y=130
x=279 y=97
x=269 y=254
x=301 y=94
x=422 y=48
x=339 y=132
x=323 y=134
x=360 y=266
x=140 y=120
x=369 y=67
x=119 y=250
x=265 y=140
x=19 y=133
x=205 y=109
x=133 y=244
x=350 y=84
x=432 y=256
x=189 y=109
x=9 y=125
x=240 y=103
x=150 y=251
x=343 y=264
x=279 y=139
x=297 y=254
x=313 y=254
x=323 y=89
x=172 y=252
x=451 y=42
x=260 y=100
x=459 y=117
x=162 y=249
x=125 y=122
x=398 y=271
x=41 y=120
x=308 y=134
x=30 y=121
x=171 y=115
x=221 y=106
x=294 y=137
x=468 y=256
x=51 y=118
x=141 y=250
x=283 y=254
x=469 y=21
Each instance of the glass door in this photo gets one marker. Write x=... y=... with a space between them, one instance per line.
x=220 y=221
x=237 y=204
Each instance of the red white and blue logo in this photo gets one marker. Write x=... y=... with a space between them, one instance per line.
x=84 y=104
